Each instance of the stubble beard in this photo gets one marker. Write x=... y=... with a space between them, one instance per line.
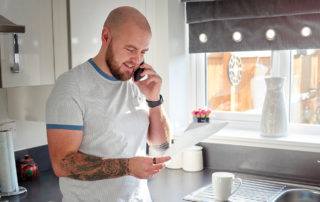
x=114 y=67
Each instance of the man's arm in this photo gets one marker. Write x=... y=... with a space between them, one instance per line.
x=67 y=161
x=159 y=131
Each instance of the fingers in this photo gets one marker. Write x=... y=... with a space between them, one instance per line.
x=153 y=78
x=148 y=70
x=163 y=159
x=144 y=167
x=158 y=166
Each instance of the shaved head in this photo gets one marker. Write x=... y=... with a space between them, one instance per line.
x=125 y=15
x=125 y=39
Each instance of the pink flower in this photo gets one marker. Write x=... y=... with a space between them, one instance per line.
x=203 y=113
x=197 y=113
x=208 y=112
x=194 y=113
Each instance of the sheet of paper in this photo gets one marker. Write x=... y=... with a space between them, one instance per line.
x=195 y=133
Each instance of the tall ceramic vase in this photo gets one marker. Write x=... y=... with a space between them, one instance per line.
x=274 y=116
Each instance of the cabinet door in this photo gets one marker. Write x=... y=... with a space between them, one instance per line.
x=86 y=23
x=35 y=45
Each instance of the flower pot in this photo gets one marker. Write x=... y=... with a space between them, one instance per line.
x=202 y=120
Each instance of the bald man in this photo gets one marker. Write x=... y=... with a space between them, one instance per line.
x=99 y=119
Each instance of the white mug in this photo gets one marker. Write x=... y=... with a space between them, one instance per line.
x=222 y=183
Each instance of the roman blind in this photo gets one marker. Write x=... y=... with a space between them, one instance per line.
x=244 y=25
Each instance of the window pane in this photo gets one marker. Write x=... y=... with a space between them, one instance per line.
x=235 y=80
x=305 y=83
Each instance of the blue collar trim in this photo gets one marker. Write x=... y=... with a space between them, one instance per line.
x=111 y=78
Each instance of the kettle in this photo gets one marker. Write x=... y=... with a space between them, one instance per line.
x=27 y=168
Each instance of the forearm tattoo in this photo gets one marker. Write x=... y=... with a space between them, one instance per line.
x=86 y=167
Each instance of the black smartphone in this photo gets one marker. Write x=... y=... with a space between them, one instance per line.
x=137 y=74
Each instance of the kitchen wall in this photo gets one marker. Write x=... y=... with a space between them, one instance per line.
x=25 y=103
x=3 y=105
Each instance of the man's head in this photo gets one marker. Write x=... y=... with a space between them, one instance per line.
x=126 y=36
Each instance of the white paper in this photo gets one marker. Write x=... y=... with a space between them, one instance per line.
x=195 y=133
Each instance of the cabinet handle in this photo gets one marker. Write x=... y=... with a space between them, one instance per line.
x=15 y=68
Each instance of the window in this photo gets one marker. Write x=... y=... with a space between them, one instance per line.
x=235 y=88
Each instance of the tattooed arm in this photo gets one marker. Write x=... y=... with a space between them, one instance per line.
x=86 y=167
x=67 y=161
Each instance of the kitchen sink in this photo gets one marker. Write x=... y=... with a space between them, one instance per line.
x=299 y=195
x=259 y=190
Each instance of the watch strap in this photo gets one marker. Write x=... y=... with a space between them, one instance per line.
x=153 y=104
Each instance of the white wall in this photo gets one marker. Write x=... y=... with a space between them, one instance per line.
x=3 y=106
x=28 y=103
x=26 y=134
x=25 y=103
x=178 y=70
x=168 y=55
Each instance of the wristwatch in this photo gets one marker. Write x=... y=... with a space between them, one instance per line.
x=153 y=104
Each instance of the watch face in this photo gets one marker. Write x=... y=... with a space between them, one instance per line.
x=234 y=70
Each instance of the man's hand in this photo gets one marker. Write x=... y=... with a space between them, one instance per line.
x=144 y=168
x=150 y=87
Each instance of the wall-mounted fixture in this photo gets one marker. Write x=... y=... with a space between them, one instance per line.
x=6 y=26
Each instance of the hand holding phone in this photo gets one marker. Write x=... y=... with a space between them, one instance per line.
x=137 y=74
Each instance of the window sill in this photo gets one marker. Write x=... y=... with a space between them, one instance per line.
x=249 y=135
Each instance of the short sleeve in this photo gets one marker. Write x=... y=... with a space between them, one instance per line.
x=63 y=107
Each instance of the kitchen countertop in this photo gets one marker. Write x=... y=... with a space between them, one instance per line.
x=45 y=188
x=172 y=185
x=168 y=185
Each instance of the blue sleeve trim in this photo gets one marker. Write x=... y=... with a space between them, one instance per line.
x=66 y=127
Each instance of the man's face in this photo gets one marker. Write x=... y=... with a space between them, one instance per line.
x=126 y=51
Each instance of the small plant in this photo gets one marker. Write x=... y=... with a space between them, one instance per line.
x=201 y=113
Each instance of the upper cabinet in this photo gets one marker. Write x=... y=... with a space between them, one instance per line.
x=42 y=51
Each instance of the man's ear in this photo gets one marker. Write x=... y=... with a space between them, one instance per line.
x=105 y=36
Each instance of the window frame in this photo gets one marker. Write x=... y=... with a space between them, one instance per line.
x=249 y=121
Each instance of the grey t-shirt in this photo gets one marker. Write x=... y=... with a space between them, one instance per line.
x=113 y=116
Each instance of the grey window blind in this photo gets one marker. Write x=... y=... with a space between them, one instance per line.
x=219 y=19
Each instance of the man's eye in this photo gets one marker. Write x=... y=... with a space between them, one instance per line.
x=130 y=50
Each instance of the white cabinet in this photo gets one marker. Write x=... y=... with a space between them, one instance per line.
x=86 y=23
x=36 y=53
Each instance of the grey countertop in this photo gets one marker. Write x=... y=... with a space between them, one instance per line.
x=168 y=185
x=45 y=188
x=172 y=185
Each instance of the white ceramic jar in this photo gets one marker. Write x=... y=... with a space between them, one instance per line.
x=274 y=116
x=192 y=159
x=175 y=162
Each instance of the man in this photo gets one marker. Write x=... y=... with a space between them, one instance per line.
x=98 y=119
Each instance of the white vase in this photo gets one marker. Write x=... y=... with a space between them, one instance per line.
x=274 y=116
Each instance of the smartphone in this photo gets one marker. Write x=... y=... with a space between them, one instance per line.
x=137 y=74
